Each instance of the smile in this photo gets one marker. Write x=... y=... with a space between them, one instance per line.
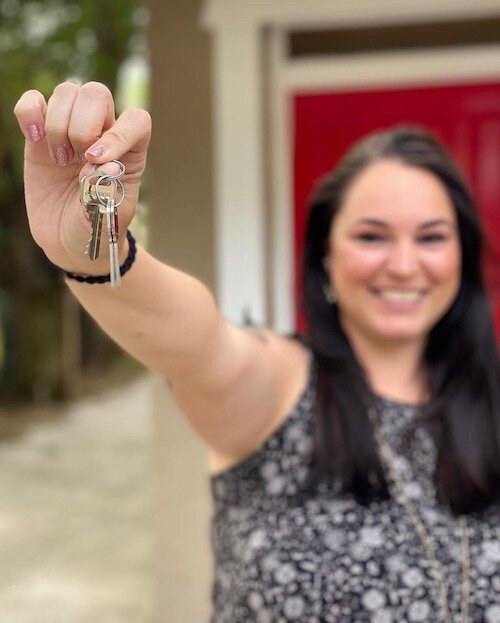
x=400 y=296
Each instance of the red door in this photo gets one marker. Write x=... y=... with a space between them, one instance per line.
x=465 y=117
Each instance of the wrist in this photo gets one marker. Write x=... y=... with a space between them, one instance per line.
x=80 y=263
x=126 y=259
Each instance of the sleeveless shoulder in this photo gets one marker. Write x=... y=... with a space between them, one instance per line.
x=280 y=464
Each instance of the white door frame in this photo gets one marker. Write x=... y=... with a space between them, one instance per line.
x=321 y=13
x=353 y=72
x=238 y=119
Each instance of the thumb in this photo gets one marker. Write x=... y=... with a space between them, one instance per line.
x=126 y=140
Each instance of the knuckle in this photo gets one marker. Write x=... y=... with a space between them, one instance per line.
x=97 y=89
x=27 y=100
x=65 y=87
x=83 y=136
x=139 y=116
x=116 y=136
x=139 y=113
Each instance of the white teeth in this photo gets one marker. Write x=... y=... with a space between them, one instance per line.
x=398 y=296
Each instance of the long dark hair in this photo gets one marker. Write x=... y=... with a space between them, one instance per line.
x=460 y=360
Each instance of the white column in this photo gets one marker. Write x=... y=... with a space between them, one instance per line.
x=239 y=170
x=280 y=145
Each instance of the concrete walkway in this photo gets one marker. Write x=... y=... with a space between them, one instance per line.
x=76 y=527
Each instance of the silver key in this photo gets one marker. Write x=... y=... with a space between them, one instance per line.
x=93 y=199
x=112 y=225
x=91 y=193
x=98 y=195
x=96 y=217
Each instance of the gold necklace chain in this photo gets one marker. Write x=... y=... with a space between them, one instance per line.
x=412 y=511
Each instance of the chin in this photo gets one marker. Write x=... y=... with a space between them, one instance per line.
x=401 y=334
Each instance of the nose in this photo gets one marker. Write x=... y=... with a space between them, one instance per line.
x=402 y=261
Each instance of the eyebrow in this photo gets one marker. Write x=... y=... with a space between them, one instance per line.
x=427 y=224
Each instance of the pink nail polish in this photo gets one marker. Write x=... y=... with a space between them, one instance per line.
x=61 y=155
x=34 y=133
x=96 y=151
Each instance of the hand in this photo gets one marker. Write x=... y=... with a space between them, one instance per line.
x=65 y=137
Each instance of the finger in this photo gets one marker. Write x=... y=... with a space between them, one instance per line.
x=30 y=113
x=57 y=121
x=93 y=113
x=129 y=134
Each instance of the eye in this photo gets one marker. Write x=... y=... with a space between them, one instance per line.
x=432 y=238
x=371 y=237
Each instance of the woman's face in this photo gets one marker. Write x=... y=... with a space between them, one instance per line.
x=394 y=255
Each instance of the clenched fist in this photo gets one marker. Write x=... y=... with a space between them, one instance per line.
x=65 y=137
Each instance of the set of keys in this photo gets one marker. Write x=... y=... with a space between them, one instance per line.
x=101 y=194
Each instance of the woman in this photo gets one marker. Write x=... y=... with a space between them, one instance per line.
x=356 y=478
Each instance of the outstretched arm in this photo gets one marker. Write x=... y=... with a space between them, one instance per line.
x=231 y=383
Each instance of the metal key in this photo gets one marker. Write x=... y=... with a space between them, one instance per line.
x=89 y=193
x=112 y=224
x=98 y=194
x=92 y=199
x=96 y=217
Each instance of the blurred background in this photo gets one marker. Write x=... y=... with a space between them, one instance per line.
x=42 y=44
x=105 y=506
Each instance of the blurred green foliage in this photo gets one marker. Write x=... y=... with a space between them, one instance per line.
x=41 y=45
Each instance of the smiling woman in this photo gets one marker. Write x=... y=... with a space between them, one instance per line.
x=343 y=460
x=395 y=433
x=394 y=255
x=401 y=243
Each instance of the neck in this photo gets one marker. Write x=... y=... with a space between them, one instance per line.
x=393 y=369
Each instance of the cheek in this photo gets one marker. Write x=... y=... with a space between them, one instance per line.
x=445 y=267
x=355 y=264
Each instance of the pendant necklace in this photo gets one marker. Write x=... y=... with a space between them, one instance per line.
x=388 y=458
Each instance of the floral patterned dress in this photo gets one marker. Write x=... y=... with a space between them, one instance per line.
x=280 y=557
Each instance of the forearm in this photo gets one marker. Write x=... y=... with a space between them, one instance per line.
x=164 y=318
x=161 y=316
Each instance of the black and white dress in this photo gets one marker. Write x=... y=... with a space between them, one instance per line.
x=327 y=559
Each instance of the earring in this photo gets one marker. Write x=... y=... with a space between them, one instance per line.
x=329 y=293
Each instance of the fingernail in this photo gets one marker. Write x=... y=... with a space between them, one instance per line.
x=35 y=133
x=61 y=155
x=96 y=151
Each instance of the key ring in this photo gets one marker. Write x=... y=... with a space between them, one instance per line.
x=119 y=175
x=112 y=178
x=117 y=181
